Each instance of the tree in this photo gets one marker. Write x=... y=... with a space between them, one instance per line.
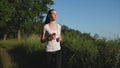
x=21 y=13
x=6 y=12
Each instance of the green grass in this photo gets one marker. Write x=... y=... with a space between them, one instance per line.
x=77 y=52
x=9 y=43
x=27 y=48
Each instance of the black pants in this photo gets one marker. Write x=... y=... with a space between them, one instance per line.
x=53 y=59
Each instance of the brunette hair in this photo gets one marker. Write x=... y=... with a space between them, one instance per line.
x=47 y=20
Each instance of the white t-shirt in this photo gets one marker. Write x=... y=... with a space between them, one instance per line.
x=53 y=45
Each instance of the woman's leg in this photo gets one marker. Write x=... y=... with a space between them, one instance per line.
x=58 y=58
x=48 y=59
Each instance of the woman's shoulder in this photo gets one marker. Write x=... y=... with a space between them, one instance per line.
x=45 y=26
x=59 y=25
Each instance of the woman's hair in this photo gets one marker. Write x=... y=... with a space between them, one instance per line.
x=47 y=20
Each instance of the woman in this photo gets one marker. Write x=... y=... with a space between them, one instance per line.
x=51 y=35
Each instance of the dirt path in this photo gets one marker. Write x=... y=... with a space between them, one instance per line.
x=5 y=58
x=16 y=58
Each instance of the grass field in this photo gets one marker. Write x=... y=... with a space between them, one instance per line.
x=29 y=53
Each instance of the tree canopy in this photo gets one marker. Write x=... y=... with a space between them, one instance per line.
x=19 y=15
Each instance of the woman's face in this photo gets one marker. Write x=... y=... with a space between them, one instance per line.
x=53 y=15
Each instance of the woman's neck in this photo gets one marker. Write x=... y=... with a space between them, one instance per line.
x=52 y=22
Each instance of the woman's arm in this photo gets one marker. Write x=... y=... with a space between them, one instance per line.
x=60 y=37
x=43 y=38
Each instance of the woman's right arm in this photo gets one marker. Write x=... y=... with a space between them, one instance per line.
x=43 y=38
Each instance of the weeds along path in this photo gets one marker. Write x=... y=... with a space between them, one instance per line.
x=5 y=58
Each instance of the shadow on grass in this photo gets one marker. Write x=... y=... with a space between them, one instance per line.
x=23 y=59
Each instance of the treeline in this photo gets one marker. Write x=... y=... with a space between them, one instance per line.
x=22 y=17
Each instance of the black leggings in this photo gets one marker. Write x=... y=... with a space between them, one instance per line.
x=53 y=56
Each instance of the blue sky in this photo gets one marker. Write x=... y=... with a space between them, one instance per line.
x=100 y=17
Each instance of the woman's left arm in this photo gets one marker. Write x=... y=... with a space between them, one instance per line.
x=60 y=37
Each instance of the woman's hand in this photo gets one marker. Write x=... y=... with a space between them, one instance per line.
x=52 y=36
x=59 y=39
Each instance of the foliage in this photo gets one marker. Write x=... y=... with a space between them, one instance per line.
x=78 y=51
x=9 y=43
x=20 y=15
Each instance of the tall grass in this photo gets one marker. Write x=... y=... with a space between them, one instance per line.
x=9 y=43
x=32 y=43
x=78 y=52
x=24 y=53
x=83 y=52
x=32 y=50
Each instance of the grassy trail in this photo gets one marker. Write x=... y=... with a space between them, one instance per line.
x=5 y=58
